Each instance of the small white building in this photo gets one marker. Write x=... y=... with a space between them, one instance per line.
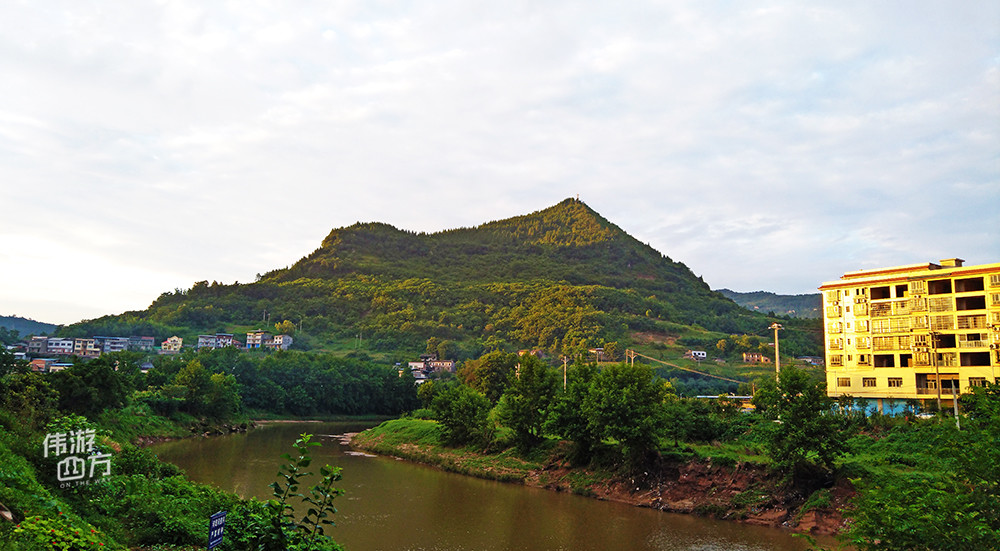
x=62 y=347
x=206 y=341
x=696 y=355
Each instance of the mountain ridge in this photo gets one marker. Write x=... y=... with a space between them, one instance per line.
x=561 y=279
x=807 y=305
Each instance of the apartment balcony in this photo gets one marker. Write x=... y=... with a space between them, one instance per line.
x=940 y=304
x=973 y=344
x=934 y=391
x=881 y=309
x=972 y=322
x=942 y=323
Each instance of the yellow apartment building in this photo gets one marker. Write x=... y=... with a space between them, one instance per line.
x=912 y=332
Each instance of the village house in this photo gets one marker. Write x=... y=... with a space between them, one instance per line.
x=755 y=358
x=38 y=346
x=61 y=347
x=86 y=348
x=172 y=345
x=279 y=342
x=206 y=341
x=112 y=344
x=257 y=339
x=141 y=343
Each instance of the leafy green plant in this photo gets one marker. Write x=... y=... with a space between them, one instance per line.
x=58 y=533
x=282 y=530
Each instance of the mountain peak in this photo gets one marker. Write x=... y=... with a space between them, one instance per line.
x=568 y=223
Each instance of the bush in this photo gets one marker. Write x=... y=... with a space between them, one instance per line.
x=464 y=414
x=58 y=533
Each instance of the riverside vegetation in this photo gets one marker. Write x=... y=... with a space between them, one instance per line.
x=619 y=432
x=147 y=504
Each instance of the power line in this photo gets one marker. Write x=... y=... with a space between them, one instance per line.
x=633 y=353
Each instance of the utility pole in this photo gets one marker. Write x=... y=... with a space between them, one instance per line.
x=565 y=359
x=777 y=355
x=954 y=401
x=937 y=371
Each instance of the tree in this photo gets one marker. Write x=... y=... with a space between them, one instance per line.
x=426 y=393
x=463 y=413
x=808 y=436
x=222 y=399
x=625 y=403
x=567 y=417
x=285 y=328
x=89 y=388
x=678 y=420
x=953 y=509
x=27 y=400
x=612 y=351
x=490 y=374
x=9 y=364
x=525 y=405
x=194 y=379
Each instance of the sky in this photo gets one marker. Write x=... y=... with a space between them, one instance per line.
x=766 y=145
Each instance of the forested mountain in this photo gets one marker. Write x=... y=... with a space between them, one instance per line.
x=798 y=306
x=562 y=279
x=26 y=326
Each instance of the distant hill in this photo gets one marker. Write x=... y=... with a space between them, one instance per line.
x=26 y=326
x=799 y=306
x=562 y=279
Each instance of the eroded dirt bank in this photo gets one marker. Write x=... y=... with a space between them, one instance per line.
x=742 y=492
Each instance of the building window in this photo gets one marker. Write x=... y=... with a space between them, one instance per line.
x=868 y=382
x=879 y=293
x=843 y=381
x=895 y=382
x=969 y=285
x=939 y=287
x=977 y=381
x=862 y=359
x=836 y=360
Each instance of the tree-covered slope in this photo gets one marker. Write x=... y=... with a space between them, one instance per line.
x=26 y=326
x=799 y=306
x=561 y=279
x=567 y=242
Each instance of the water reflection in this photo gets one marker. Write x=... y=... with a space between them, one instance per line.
x=395 y=505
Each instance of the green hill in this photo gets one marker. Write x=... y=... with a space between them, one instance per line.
x=798 y=306
x=25 y=326
x=562 y=279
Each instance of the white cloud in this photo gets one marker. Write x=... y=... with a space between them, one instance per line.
x=768 y=146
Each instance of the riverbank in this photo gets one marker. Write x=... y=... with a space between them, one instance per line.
x=744 y=492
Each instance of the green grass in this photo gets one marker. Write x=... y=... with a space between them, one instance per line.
x=396 y=432
x=729 y=453
x=420 y=440
x=137 y=420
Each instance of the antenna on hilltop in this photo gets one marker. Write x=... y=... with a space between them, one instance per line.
x=577 y=197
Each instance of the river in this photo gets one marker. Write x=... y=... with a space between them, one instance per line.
x=394 y=505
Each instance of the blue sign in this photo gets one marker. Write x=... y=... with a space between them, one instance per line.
x=216 y=526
